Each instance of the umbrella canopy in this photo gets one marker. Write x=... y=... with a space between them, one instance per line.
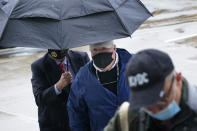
x=62 y=24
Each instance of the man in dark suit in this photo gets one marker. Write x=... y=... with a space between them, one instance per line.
x=51 y=85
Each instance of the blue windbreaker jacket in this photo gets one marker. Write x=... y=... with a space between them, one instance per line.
x=90 y=105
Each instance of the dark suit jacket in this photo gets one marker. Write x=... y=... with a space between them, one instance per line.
x=52 y=113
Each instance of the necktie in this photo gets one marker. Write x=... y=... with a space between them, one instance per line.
x=62 y=66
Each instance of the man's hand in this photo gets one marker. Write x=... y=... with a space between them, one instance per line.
x=65 y=80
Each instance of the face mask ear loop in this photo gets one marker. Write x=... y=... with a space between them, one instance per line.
x=174 y=88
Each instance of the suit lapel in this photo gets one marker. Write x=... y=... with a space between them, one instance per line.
x=72 y=62
x=53 y=71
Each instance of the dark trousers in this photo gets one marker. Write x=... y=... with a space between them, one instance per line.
x=53 y=128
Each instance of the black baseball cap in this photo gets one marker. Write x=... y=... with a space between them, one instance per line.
x=145 y=74
x=57 y=54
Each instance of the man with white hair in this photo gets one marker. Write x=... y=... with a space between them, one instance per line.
x=99 y=88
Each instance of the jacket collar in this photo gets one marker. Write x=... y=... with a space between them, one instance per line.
x=71 y=61
x=52 y=69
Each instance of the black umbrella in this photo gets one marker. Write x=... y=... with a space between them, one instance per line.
x=61 y=24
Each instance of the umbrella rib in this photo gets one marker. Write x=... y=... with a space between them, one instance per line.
x=61 y=26
x=122 y=23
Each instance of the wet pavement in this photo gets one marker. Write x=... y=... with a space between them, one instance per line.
x=172 y=29
x=17 y=106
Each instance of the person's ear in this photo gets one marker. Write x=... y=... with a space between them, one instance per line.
x=115 y=47
x=92 y=53
x=114 y=52
x=179 y=79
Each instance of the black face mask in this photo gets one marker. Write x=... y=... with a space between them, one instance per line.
x=57 y=54
x=102 y=60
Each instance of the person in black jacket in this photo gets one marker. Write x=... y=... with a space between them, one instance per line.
x=52 y=76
